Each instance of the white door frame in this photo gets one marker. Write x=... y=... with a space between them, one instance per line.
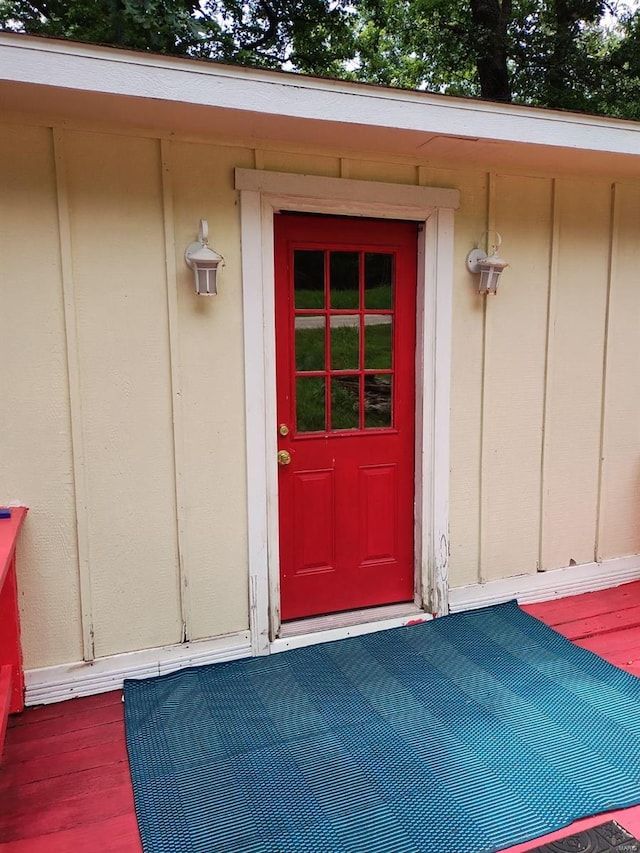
x=262 y=194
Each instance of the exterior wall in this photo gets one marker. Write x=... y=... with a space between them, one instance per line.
x=156 y=396
x=36 y=459
x=123 y=400
x=620 y=478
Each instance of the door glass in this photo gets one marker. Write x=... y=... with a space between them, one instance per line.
x=308 y=278
x=378 y=339
x=377 y=401
x=345 y=342
x=345 y=402
x=355 y=352
x=310 y=342
x=345 y=280
x=310 y=404
x=378 y=281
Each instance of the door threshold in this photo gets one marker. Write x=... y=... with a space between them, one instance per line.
x=353 y=623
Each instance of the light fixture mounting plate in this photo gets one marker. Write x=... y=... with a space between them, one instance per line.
x=473 y=257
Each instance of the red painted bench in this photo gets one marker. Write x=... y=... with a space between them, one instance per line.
x=11 y=672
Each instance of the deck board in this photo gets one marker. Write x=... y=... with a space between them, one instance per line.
x=53 y=766
x=588 y=604
x=82 y=719
x=65 y=742
x=605 y=623
x=65 y=709
x=59 y=815
x=64 y=780
x=112 y=835
x=622 y=650
x=37 y=796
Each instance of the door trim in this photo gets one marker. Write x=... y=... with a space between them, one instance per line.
x=262 y=194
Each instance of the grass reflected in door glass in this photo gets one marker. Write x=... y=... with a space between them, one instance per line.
x=310 y=342
x=378 y=341
x=310 y=404
x=345 y=402
x=345 y=342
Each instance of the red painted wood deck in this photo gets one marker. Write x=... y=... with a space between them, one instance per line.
x=64 y=777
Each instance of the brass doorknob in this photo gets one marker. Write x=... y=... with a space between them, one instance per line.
x=284 y=457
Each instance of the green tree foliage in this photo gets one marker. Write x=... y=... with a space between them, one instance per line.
x=151 y=25
x=415 y=44
x=568 y=54
x=621 y=79
x=305 y=35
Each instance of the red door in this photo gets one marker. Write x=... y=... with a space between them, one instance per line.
x=345 y=353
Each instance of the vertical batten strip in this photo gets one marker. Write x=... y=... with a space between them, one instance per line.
x=177 y=419
x=75 y=395
x=613 y=252
x=551 y=293
x=486 y=340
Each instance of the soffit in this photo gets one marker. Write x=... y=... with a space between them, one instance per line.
x=168 y=95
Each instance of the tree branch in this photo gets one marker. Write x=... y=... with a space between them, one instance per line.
x=271 y=31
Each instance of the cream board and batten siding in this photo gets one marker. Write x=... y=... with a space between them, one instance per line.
x=573 y=422
x=117 y=244
x=158 y=401
x=619 y=504
x=146 y=436
x=513 y=380
x=36 y=460
x=582 y=433
x=466 y=376
x=210 y=408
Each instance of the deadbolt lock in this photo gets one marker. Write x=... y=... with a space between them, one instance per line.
x=284 y=429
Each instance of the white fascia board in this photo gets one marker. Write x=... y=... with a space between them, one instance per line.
x=96 y=69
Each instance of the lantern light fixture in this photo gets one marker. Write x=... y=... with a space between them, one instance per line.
x=204 y=262
x=490 y=266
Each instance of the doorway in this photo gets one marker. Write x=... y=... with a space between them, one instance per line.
x=263 y=195
x=345 y=314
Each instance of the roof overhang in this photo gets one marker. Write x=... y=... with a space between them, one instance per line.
x=79 y=80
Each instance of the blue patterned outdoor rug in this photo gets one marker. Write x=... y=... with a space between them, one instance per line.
x=462 y=735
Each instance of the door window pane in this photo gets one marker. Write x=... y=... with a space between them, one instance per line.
x=310 y=342
x=378 y=281
x=378 y=341
x=378 y=401
x=310 y=404
x=308 y=278
x=345 y=342
x=345 y=402
x=345 y=280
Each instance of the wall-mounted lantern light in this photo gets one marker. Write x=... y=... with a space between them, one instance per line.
x=204 y=262
x=489 y=266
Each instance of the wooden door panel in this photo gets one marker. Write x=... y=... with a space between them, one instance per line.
x=377 y=496
x=313 y=522
x=345 y=360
